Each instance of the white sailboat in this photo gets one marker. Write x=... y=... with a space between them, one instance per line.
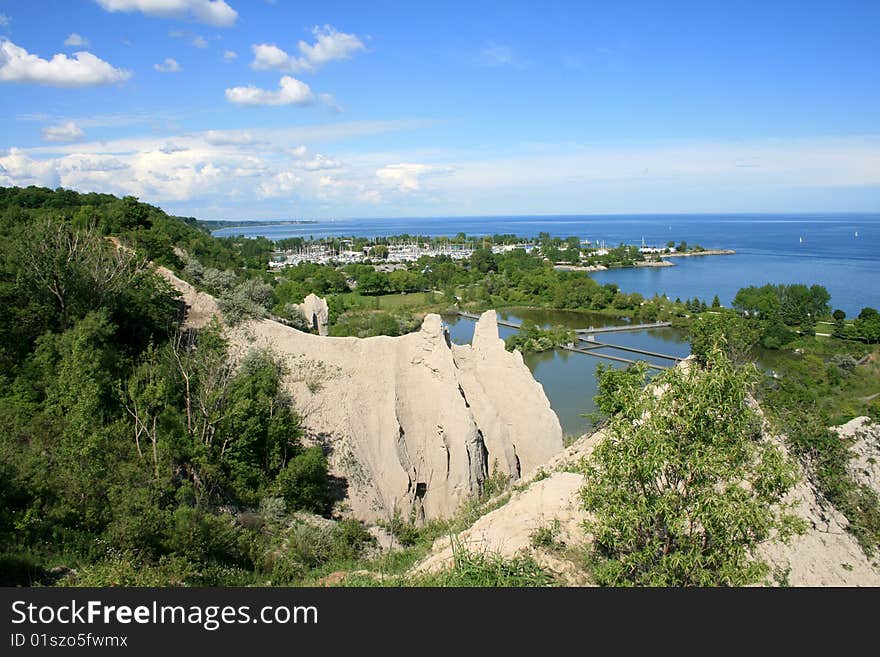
x=801 y=240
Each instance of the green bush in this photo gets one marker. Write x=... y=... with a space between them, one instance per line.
x=200 y=536
x=477 y=569
x=303 y=483
x=683 y=488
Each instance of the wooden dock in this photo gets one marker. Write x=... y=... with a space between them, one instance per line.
x=619 y=359
x=585 y=331
x=625 y=327
x=634 y=350
x=594 y=349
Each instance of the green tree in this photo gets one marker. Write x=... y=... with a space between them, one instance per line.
x=839 y=325
x=867 y=325
x=304 y=484
x=373 y=282
x=483 y=260
x=683 y=488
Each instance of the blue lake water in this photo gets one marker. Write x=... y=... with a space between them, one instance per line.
x=568 y=378
x=839 y=251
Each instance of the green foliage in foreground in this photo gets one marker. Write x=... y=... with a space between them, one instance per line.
x=819 y=387
x=469 y=569
x=128 y=444
x=684 y=487
x=740 y=336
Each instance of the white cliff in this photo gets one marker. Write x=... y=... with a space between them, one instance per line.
x=315 y=311
x=411 y=424
x=501 y=393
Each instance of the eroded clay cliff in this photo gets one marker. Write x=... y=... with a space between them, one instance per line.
x=316 y=312
x=411 y=424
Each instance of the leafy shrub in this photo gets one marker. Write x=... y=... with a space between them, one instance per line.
x=545 y=537
x=128 y=568
x=218 y=282
x=350 y=539
x=683 y=488
x=488 y=569
x=272 y=509
x=303 y=483
x=310 y=544
x=199 y=536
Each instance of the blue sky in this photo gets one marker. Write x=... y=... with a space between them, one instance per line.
x=233 y=109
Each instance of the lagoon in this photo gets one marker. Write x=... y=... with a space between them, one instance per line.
x=568 y=378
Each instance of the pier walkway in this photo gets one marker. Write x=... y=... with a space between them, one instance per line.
x=595 y=352
x=586 y=331
x=625 y=327
x=644 y=352
x=595 y=347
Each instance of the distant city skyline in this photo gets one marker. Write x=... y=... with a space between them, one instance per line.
x=260 y=110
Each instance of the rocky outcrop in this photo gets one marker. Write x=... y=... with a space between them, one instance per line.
x=316 y=312
x=501 y=393
x=549 y=500
x=864 y=436
x=200 y=307
x=825 y=555
x=413 y=424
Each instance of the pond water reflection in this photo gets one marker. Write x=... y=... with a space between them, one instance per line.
x=569 y=378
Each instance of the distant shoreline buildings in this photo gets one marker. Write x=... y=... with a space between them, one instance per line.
x=343 y=253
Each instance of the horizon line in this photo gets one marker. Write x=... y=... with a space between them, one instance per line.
x=258 y=222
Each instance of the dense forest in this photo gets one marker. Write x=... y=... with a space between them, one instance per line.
x=124 y=439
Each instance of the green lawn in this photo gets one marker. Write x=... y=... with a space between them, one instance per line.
x=411 y=300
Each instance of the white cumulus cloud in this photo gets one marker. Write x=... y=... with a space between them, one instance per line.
x=4 y=20
x=212 y=12
x=407 y=176
x=170 y=65
x=270 y=56
x=81 y=70
x=76 y=41
x=229 y=55
x=280 y=184
x=16 y=168
x=330 y=45
x=290 y=92
x=68 y=131
x=317 y=162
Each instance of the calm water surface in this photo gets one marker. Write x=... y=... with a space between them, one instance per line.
x=839 y=251
x=568 y=378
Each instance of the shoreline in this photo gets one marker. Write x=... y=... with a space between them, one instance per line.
x=707 y=252
x=646 y=263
